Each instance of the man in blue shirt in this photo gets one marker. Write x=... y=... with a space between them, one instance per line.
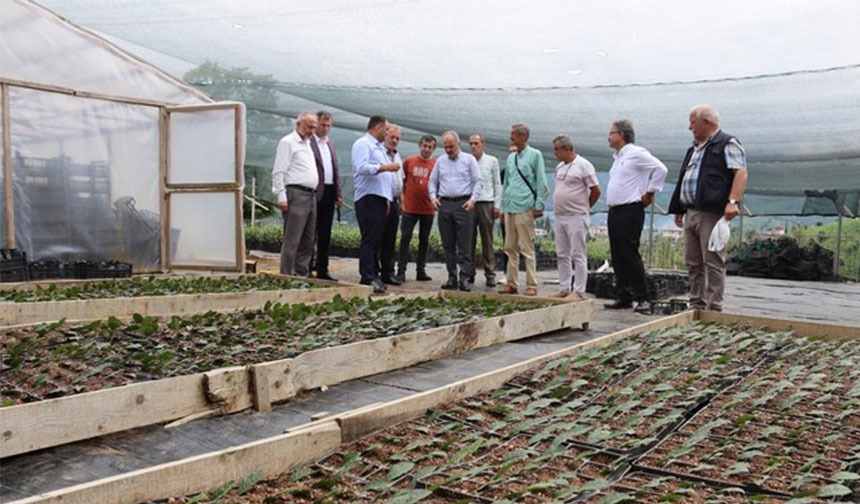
x=372 y=172
x=455 y=184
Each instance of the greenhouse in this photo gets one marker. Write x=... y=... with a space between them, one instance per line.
x=102 y=156
x=142 y=133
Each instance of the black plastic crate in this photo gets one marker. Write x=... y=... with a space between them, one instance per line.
x=13 y=265
x=51 y=269
x=103 y=269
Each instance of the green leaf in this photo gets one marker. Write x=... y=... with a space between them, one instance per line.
x=249 y=482
x=845 y=476
x=409 y=496
x=834 y=490
x=739 y=468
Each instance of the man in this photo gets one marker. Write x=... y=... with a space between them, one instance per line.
x=328 y=193
x=576 y=191
x=712 y=182
x=372 y=172
x=523 y=196
x=294 y=181
x=389 y=231
x=417 y=207
x=455 y=184
x=636 y=175
x=487 y=209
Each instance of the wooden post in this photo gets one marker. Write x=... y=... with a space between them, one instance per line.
x=253 y=200
x=7 y=170
x=838 y=241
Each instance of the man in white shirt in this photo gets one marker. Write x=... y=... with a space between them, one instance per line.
x=486 y=209
x=294 y=181
x=636 y=175
x=576 y=191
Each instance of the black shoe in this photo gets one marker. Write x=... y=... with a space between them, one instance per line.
x=422 y=277
x=491 y=282
x=450 y=285
x=326 y=276
x=378 y=286
x=400 y=277
x=465 y=287
x=390 y=280
x=644 y=307
x=472 y=279
x=618 y=305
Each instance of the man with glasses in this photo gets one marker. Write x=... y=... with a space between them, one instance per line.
x=636 y=175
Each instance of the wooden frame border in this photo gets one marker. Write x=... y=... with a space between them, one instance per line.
x=18 y=314
x=172 y=479
x=33 y=426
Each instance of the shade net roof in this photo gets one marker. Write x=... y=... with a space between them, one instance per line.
x=783 y=76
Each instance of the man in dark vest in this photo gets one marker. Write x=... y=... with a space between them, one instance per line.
x=327 y=192
x=711 y=184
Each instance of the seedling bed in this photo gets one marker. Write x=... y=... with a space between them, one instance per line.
x=29 y=303
x=112 y=375
x=619 y=423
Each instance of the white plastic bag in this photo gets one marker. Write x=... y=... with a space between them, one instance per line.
x=719 y=236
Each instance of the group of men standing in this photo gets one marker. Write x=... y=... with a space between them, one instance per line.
x=470 y=191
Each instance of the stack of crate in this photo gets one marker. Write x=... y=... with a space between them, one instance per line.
x=13 y=265
x=69 y=206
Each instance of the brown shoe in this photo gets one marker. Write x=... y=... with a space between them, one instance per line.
x=561 y=294
x=530 y=292
x=507 y=289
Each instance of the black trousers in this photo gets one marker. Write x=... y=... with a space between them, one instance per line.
x=388 y=247
x=625 y=229
x=325 y=216
x=407 y=226
x=370 y=211
x=455 y=228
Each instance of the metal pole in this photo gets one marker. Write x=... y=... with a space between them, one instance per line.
x=253 y=200
x=651 y=237
x=838 y=244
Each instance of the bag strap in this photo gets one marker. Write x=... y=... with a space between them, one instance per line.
x=532 y=189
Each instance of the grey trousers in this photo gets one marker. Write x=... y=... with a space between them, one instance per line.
x=300 y=222
x=455 y=228
x=707 y=269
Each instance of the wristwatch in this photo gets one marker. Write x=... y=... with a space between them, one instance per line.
x=733 y=201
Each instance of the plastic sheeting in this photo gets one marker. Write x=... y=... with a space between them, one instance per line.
x=85 y=151
x=39 y=47
x=76 y=165
x=783 y=76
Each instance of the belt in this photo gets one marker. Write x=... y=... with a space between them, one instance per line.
x=454 y=198
x=300 y=188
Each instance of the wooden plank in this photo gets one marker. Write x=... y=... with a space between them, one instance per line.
x=260 y=389
x=34 y=426
x=8 y=190
x=12 y=314
x=229 y=389
x=360 y=422
x=204 y=472
x=329 y=366
x=828 y=332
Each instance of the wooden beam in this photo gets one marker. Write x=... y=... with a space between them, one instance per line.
x=54 y=422
x=828 y=332
x=318 y=368
x=8 y=189
x=204 y=472
x=12 y=314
